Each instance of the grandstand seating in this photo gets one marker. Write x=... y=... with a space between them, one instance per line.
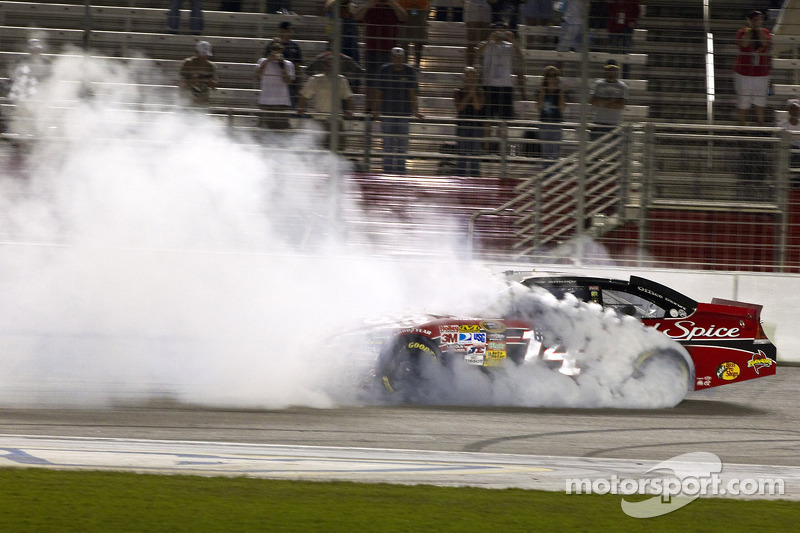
x=666 y=75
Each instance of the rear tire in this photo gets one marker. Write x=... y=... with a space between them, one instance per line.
x=665 y=375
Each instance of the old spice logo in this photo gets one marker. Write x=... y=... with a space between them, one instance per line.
x=686 y=330
x=759 y=361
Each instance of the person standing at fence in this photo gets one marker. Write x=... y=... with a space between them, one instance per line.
x=293 y=53
x=752 y=68
x=275 y=74
x=502 y=60
x=623 y=17
x=552 y=103
x=198 y=74
x=477 y=19
x=470 y=100
x=607 y=96
x=350 y=46
x=382 y=20
x=569 y=36
x=415 y=30
x=396 y=98
x=792 y=125
x=195 y=17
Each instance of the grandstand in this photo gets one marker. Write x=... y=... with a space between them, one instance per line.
x=677 y=173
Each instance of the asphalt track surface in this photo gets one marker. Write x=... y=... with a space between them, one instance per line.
x=751 y=423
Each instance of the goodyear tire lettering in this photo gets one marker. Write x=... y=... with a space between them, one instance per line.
x=419 y=346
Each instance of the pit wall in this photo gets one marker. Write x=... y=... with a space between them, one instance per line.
x=778 y=293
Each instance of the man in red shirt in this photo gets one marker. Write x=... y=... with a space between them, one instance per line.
x=752 y=67
x=381 y=20
x=623 y=16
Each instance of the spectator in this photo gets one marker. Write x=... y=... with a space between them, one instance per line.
x=29 y=73
x=415 y=30
x=195 y=17
x=598 y=20
x=552 y=103
x=284 y=7
x=381 y=19
x=792 y=125
x=505 y=12
x=623 y=16
x=350 y=46
x=291 y=52
x=396 y=101
x=569 y=36
x=477 y=18
x=502 y=60
x=752 y=67
x=469 y=100
x=276 y=75
x=538 y=13
x=199 y=74
x=319 y=90
x=347 y=66
x=607 y=96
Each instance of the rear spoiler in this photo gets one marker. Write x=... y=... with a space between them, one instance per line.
x=722 y=301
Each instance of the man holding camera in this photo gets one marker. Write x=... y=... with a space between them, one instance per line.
x=275 y=75
x=752 y=67
x=502 y=60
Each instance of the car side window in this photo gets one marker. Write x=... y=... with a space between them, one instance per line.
x=631 y=304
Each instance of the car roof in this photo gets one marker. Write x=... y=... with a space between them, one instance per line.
x=662 y=295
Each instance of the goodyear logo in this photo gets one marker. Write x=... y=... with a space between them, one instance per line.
x=728 y=371
x=419 y=346
x=469 y=328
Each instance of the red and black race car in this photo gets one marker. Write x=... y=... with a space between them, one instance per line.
x=723 y=339
x=715 y=344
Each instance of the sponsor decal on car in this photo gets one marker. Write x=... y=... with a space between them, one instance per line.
x=686 y=330
x=759 y=361
x=728 y=371
x=448 y=335
x=472 y=338
x=495 y=337
x=406 y=331
x=493 y=326
x=704 y=381
x=469 y=328
x=475 y=355
x=494 y=345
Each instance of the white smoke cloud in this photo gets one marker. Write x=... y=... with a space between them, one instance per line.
x=155 y=256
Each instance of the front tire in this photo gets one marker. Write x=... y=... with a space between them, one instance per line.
x=402 y=362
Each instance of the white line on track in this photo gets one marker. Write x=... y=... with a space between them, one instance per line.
x=489 y=470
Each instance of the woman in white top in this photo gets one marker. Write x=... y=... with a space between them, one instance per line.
x=276 y=75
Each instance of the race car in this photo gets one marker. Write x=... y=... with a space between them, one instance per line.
x=724 y=340
x=714 y=344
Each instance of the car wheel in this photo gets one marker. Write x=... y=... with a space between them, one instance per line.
x=402 y=363
x=665 y=374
